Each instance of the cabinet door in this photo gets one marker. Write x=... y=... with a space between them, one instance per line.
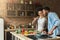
x=9 y=36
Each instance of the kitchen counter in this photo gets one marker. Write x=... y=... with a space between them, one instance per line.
x=22 y=37
x=8 y=30
x=19 y=36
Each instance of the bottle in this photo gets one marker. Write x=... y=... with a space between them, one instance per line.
x=32 y=26
x=23 y=30
x=22 y=13
x=29 y=25
x=18 y=30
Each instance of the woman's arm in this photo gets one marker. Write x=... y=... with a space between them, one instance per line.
x=34 y=20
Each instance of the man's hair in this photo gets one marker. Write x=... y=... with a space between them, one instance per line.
x=46 y=8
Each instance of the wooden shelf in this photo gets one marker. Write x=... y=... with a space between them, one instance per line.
x=20 y=16
x=22 y=8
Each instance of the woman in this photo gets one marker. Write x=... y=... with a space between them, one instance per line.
x=41 y=20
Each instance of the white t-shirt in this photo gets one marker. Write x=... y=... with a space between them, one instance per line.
x=41 y=23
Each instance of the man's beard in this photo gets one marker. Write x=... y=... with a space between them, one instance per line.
x=46 y=14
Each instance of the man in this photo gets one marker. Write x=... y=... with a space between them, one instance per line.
x=53 y=21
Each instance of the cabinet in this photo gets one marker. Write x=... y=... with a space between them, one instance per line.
x=21 y=8
x=8 y=36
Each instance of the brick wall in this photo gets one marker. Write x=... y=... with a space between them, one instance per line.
x=53 y=4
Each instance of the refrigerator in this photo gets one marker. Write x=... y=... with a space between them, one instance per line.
x=1 y=29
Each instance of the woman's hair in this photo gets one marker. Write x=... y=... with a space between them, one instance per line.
x=38 y=9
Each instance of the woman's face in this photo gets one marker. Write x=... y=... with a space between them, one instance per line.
x=40 y=13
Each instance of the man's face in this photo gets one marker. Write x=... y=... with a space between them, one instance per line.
x=45 y=12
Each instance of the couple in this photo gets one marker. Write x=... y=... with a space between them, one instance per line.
x=44 y=17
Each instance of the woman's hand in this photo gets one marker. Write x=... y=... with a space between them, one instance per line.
x=34 y=20
x=44 y=32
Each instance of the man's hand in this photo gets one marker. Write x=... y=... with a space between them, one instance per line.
x=50 y=32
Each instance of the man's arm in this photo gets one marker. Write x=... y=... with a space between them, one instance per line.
x=55 y=18
x=51 y=31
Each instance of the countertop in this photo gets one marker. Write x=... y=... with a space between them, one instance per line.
x=22 y=37
x=6 y=30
